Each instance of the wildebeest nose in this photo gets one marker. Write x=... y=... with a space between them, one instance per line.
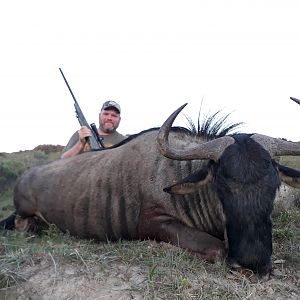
x=263 y=274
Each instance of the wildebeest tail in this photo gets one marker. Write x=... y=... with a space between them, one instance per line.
x=8 y=223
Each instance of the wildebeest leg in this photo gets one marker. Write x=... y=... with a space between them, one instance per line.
x=27 y=224
x=201 y=243
x=15 y=221
x=9 y=222
x=27 y=213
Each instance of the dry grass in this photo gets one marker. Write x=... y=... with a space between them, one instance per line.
x=53 y=265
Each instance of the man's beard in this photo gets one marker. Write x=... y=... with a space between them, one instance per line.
x=107 y=129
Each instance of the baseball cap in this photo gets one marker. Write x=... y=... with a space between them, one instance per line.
x=111 y=104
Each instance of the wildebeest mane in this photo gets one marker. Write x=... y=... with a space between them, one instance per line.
x=134 y=136
x=212 y=126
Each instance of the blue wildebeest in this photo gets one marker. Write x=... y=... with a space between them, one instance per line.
x=213 y=198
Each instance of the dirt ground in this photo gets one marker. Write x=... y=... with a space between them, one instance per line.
x=47 y=280
x=52 y=278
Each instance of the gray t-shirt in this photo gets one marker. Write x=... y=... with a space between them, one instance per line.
x=108 y=141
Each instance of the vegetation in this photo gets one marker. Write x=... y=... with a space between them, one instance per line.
x=55 y=265
x=291 y=161
x=12 y=165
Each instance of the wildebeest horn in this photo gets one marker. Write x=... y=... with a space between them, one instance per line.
x=295 y=99
x=209 y=150
x=277 y=147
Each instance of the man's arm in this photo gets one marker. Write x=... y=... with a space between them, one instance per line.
x=77 y=142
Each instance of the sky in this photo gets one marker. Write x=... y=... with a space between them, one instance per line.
x=240 y=57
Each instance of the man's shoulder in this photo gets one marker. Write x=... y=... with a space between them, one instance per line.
x=120 y=136
x=113 y=139
x=72 y=141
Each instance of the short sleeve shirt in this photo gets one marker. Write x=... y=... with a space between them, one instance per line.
x=108 y=141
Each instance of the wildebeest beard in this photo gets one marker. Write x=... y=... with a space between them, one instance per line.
x=247 y=189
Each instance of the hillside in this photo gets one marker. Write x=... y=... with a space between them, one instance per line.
x=12 y=165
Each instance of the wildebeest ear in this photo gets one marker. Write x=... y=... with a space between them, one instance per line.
x=289 y=176
x=191 y=183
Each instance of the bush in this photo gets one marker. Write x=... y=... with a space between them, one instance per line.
x=10 y=170
x=48 y=148
x=40 y=156
x=12 y=165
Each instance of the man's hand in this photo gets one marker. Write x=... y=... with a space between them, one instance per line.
x=84 y=132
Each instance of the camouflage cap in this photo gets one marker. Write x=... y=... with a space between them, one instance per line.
x=111 y=104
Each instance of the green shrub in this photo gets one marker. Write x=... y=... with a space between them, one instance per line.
x=12 y=165
x=40 y=156
x=11 y=169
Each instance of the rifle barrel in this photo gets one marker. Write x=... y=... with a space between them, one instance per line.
x=94 y=140
x=67 y=84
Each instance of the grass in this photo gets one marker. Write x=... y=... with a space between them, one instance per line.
x=6 y=203
x=166 y=272
x=286 y=236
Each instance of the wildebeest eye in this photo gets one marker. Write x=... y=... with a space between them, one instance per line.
x=191 y=183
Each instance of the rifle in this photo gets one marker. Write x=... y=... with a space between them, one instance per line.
x=295 y=99
x=94 y=140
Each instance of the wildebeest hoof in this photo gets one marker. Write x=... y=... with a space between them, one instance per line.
x=238 y=270
x=25 y=224
x=213 y=255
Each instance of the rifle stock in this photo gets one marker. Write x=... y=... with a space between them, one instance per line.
x=94 y=140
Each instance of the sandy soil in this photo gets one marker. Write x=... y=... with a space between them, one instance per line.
x=48 y=278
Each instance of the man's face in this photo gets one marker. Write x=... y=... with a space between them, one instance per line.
x=109 y=120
